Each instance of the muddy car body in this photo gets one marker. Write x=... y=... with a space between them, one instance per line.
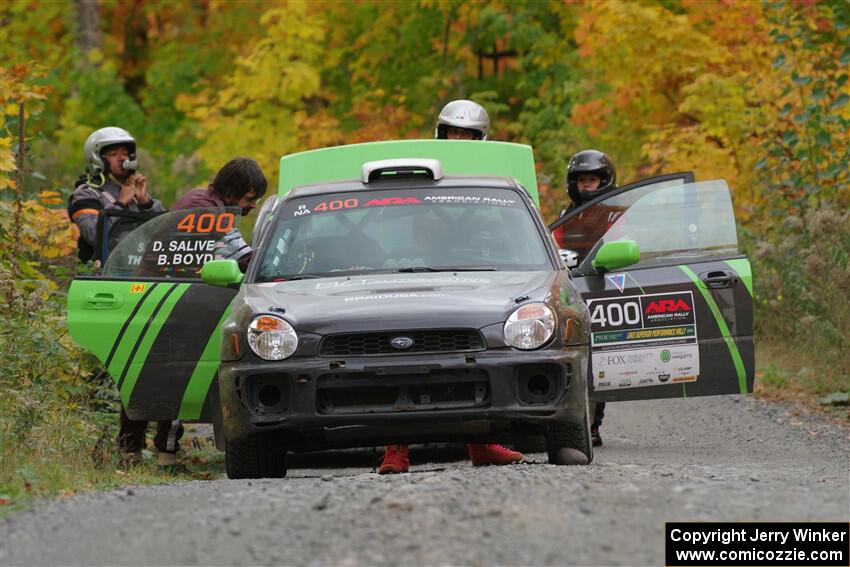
x=383 y=300
x=401 y=341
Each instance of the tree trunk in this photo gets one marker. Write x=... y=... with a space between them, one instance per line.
x=88 y=28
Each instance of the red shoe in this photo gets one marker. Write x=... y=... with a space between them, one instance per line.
x=395 y=460
x=492 y=454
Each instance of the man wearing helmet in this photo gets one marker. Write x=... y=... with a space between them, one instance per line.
x=459 y=120
x=462 y=120
x=591 y=174
x=110 y=182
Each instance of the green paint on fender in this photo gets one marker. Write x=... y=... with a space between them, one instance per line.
x=742 y=268
x=199 y=384
x=724 y=329
x=153 y=330
x=458 y=157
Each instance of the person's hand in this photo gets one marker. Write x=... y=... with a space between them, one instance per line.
x=127 y=192
x=141 y=185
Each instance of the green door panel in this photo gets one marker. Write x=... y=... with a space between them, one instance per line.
x=458 y=157
x=715 y=336
x=160 y=345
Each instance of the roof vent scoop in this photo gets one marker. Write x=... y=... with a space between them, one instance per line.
x=397 y=169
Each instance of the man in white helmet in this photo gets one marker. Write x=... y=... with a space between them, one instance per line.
x=110 y=182
x=462 y=120
x=459 y=120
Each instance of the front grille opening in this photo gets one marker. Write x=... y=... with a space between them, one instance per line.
x=381 y=343
x=359 y=393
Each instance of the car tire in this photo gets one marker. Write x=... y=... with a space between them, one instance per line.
x=255 y=456
x=569 y=443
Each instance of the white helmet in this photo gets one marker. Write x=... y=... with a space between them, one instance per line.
x=101 y=139
x=463 y=114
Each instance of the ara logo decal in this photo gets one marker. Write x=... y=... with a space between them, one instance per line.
x=667 y=306
x=392 y=201
x=137 y=288
x=618 y=281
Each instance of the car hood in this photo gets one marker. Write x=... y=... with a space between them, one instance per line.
x=398 y=301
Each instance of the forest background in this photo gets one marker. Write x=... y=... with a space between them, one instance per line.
x=753 y=92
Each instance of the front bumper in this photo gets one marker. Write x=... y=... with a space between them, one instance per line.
x=315 y=403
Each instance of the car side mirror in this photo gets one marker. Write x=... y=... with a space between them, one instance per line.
x=222 y=273
x=616 y=255
x=569 y=257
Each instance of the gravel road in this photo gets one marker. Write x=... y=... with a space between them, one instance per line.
x=704 y=459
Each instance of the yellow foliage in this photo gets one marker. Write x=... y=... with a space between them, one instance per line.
x=264 y=110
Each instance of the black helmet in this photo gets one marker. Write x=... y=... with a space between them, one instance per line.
x=595 y=162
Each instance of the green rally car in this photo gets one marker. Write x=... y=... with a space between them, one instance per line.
x=410 y=292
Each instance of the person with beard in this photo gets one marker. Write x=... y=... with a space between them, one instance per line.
x=239 y=183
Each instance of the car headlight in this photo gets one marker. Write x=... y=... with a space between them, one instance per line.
x=272 y=338
x=530 y=326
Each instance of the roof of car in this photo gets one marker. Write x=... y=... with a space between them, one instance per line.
x=407 y=184
x=455 y=157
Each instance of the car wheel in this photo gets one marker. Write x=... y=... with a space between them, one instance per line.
x=569 y=443
x=255 y=457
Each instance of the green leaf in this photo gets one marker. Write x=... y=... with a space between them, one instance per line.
x=840 y=101
x=779 y=61
x=781 y=38
x=845 y=57
x=798 y=80
x=818 y=93
x=839 y=82
x=823 y=138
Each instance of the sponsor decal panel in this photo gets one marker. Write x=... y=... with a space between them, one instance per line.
x=643 y=340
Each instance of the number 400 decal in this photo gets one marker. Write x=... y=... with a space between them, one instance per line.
x=206 y=222
x=615 y=314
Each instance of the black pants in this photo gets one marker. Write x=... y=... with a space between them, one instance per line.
x=131 y=437
x=598 y=414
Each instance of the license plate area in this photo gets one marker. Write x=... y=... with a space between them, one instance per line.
x=367 y=392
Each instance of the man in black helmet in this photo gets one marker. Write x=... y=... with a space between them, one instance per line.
x=590 y=174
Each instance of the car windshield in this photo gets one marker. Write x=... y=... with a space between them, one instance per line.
x=397 y=230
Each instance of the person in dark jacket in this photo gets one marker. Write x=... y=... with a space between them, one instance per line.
x=240 y=183
x=590 y=174
x=110 y=182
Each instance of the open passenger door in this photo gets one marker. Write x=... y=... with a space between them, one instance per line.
x=151 y=321
x=679 y=321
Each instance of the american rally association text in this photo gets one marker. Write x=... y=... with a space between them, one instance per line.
x=755 y=534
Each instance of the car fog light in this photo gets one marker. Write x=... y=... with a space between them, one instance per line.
x=272 y=338
x=530 y=326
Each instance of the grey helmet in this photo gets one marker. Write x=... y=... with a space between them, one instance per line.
x=101 y=139
x=463 y=114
